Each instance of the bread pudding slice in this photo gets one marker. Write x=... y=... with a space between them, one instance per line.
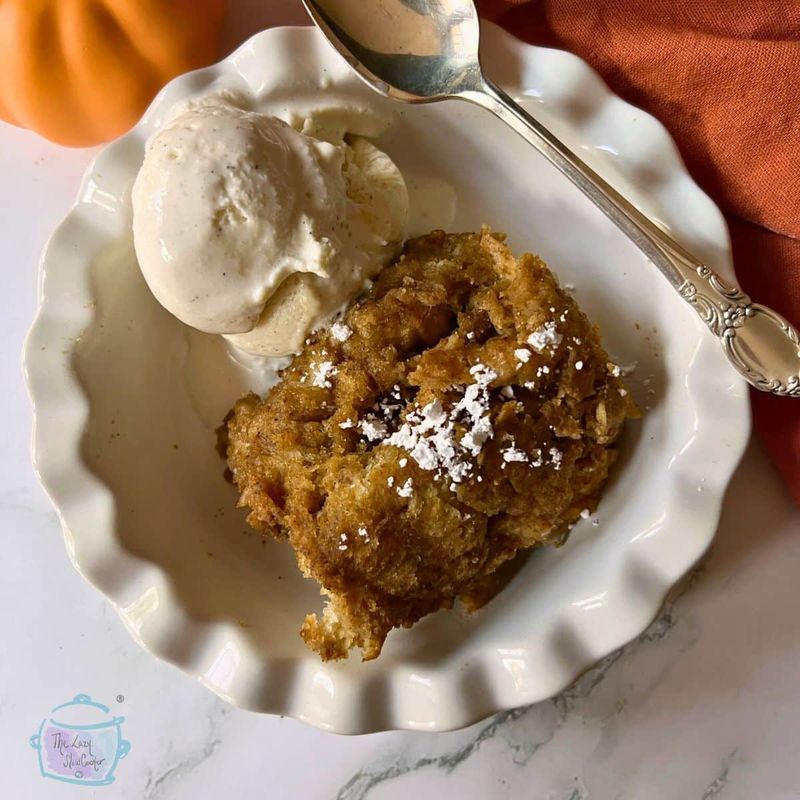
x=463 y=410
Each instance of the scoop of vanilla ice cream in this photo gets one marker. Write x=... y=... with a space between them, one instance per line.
x=378 y=207
x=247 y=227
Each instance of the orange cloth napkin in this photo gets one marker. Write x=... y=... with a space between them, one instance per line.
x=724 y=77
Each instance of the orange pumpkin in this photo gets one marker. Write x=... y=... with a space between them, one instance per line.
x=81 y=72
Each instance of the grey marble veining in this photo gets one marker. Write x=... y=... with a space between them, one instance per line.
x=522 y=731
x=160 y=781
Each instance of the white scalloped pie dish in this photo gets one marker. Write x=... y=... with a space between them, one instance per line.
x=126 y=401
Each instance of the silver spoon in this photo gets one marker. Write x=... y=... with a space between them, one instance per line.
x=421 y=51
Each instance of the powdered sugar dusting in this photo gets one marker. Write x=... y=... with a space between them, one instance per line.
x=429 y=433
x=446 y=441
x=321 y=374
x=363 y=533
x=373 y=428
x=341 y=332
x=513 y=453
x=545 y=336
x=522 y=355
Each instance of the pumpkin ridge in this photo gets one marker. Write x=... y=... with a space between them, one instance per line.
x=45 y=57
x=118 y=51
x=161 y=52
x=69 y=16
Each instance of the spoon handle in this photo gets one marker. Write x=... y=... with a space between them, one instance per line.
x=762 y=345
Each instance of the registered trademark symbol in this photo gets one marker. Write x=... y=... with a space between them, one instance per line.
x=120 y=698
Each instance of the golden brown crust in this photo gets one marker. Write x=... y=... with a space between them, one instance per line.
x=386 y=551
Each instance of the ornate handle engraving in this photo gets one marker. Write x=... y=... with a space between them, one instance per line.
x=760 y=343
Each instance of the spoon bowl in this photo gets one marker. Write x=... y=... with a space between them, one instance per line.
x=410 y=50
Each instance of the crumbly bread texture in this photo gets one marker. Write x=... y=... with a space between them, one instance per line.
x=461 y=411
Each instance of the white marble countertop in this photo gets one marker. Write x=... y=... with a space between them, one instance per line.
x=704 y=705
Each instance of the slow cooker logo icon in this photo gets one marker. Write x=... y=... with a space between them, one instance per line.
x=80 y=742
